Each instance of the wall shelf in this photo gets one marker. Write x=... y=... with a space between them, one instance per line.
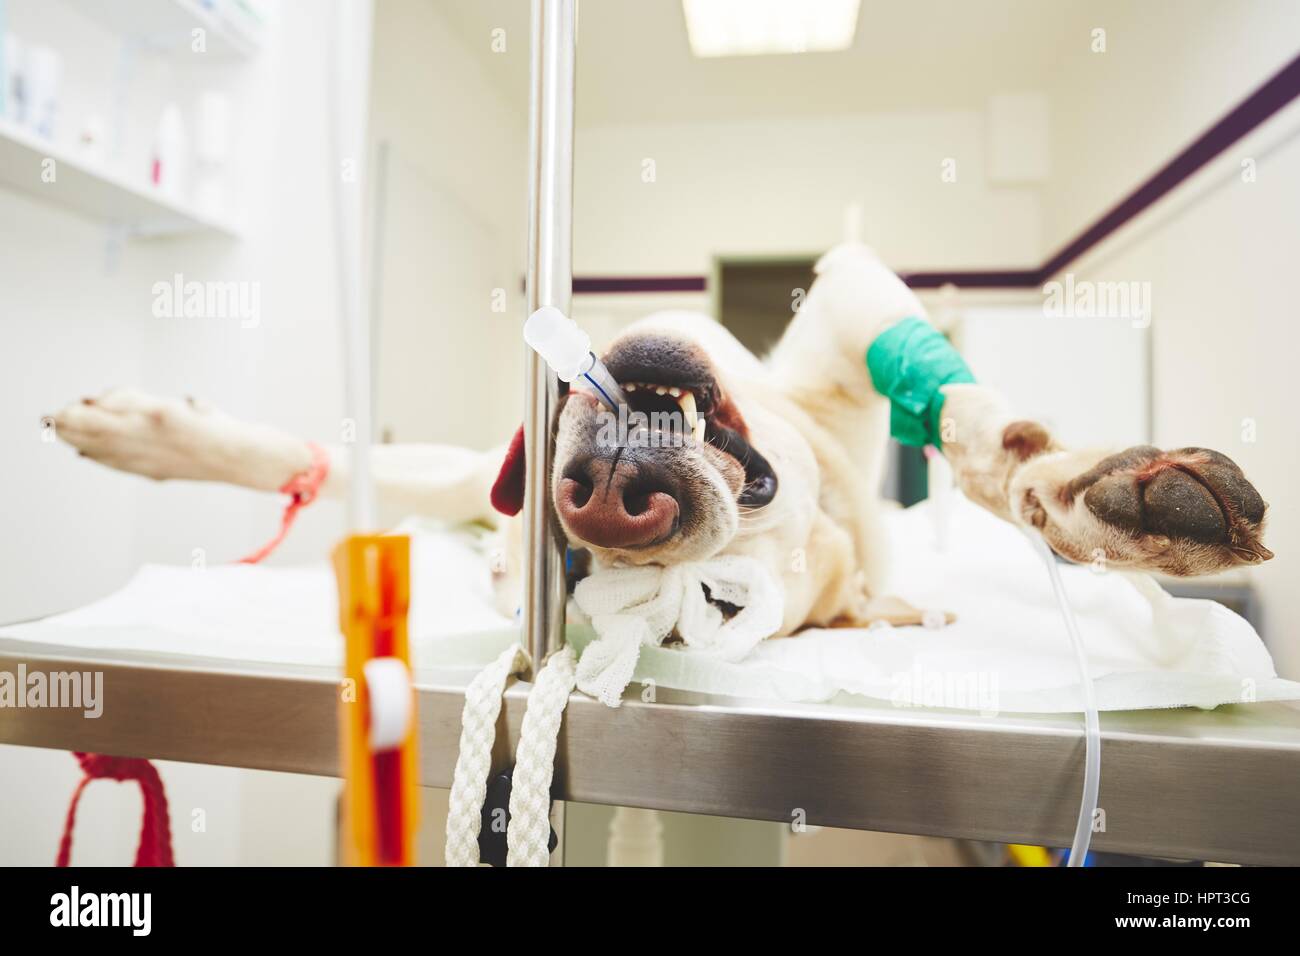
x=167 y=25
x=98 y=194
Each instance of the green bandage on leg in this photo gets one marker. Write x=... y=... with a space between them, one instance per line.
x=908 y=363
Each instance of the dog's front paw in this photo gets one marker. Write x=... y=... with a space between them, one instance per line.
x=132 y=431
x=1183 y=512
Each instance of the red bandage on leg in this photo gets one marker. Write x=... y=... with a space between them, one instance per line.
x=303 y=489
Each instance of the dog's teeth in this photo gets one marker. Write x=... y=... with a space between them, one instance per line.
x=675 y=392
x=687 y=402
x=630 y=387
x=660 y=390
x=699 y=431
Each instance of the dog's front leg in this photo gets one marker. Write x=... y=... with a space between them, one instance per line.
x=164 y=438
x=1183 y=512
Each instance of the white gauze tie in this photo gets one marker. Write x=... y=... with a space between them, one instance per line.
x=634 y=606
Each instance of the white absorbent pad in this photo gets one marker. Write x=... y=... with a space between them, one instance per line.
x=271 y=615
x=1007 y=651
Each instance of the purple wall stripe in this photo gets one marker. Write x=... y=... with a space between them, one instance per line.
x=993 y=279
x=590 y=285
x=1248 y=115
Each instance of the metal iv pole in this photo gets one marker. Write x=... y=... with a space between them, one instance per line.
x=550 y=282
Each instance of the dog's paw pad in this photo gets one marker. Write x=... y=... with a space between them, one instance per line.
x=1193 y=497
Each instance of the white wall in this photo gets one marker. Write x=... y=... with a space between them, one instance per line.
x=665 y=199
x=1219 y=253
x=1170 y=68
x=456 y=224
x=452 y=232
x=77 y=321
x=1224 y=336
x=780 y=186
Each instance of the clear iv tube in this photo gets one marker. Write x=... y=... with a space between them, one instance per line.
x=567 y=350
x=1092 y=725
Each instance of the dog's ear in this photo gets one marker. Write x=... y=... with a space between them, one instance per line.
x=508 y=489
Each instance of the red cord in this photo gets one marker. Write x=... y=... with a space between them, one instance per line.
x=302 y=489
x=155 y=829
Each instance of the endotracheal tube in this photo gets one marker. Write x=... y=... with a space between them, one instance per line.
x=567 y=350
x=1092 y=725
x=604 y=383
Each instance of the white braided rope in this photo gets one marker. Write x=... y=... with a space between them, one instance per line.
x=478 y=727
x=530 y=790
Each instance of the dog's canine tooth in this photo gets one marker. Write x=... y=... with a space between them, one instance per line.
x=630 y=387
x=686 y=399
x=675 y=392
x=660 y=390
x=687 y=402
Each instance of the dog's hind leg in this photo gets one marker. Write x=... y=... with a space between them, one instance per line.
x=820 y=362
x=820 y=365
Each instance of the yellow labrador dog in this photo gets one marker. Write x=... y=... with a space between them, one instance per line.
x=781 y=460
